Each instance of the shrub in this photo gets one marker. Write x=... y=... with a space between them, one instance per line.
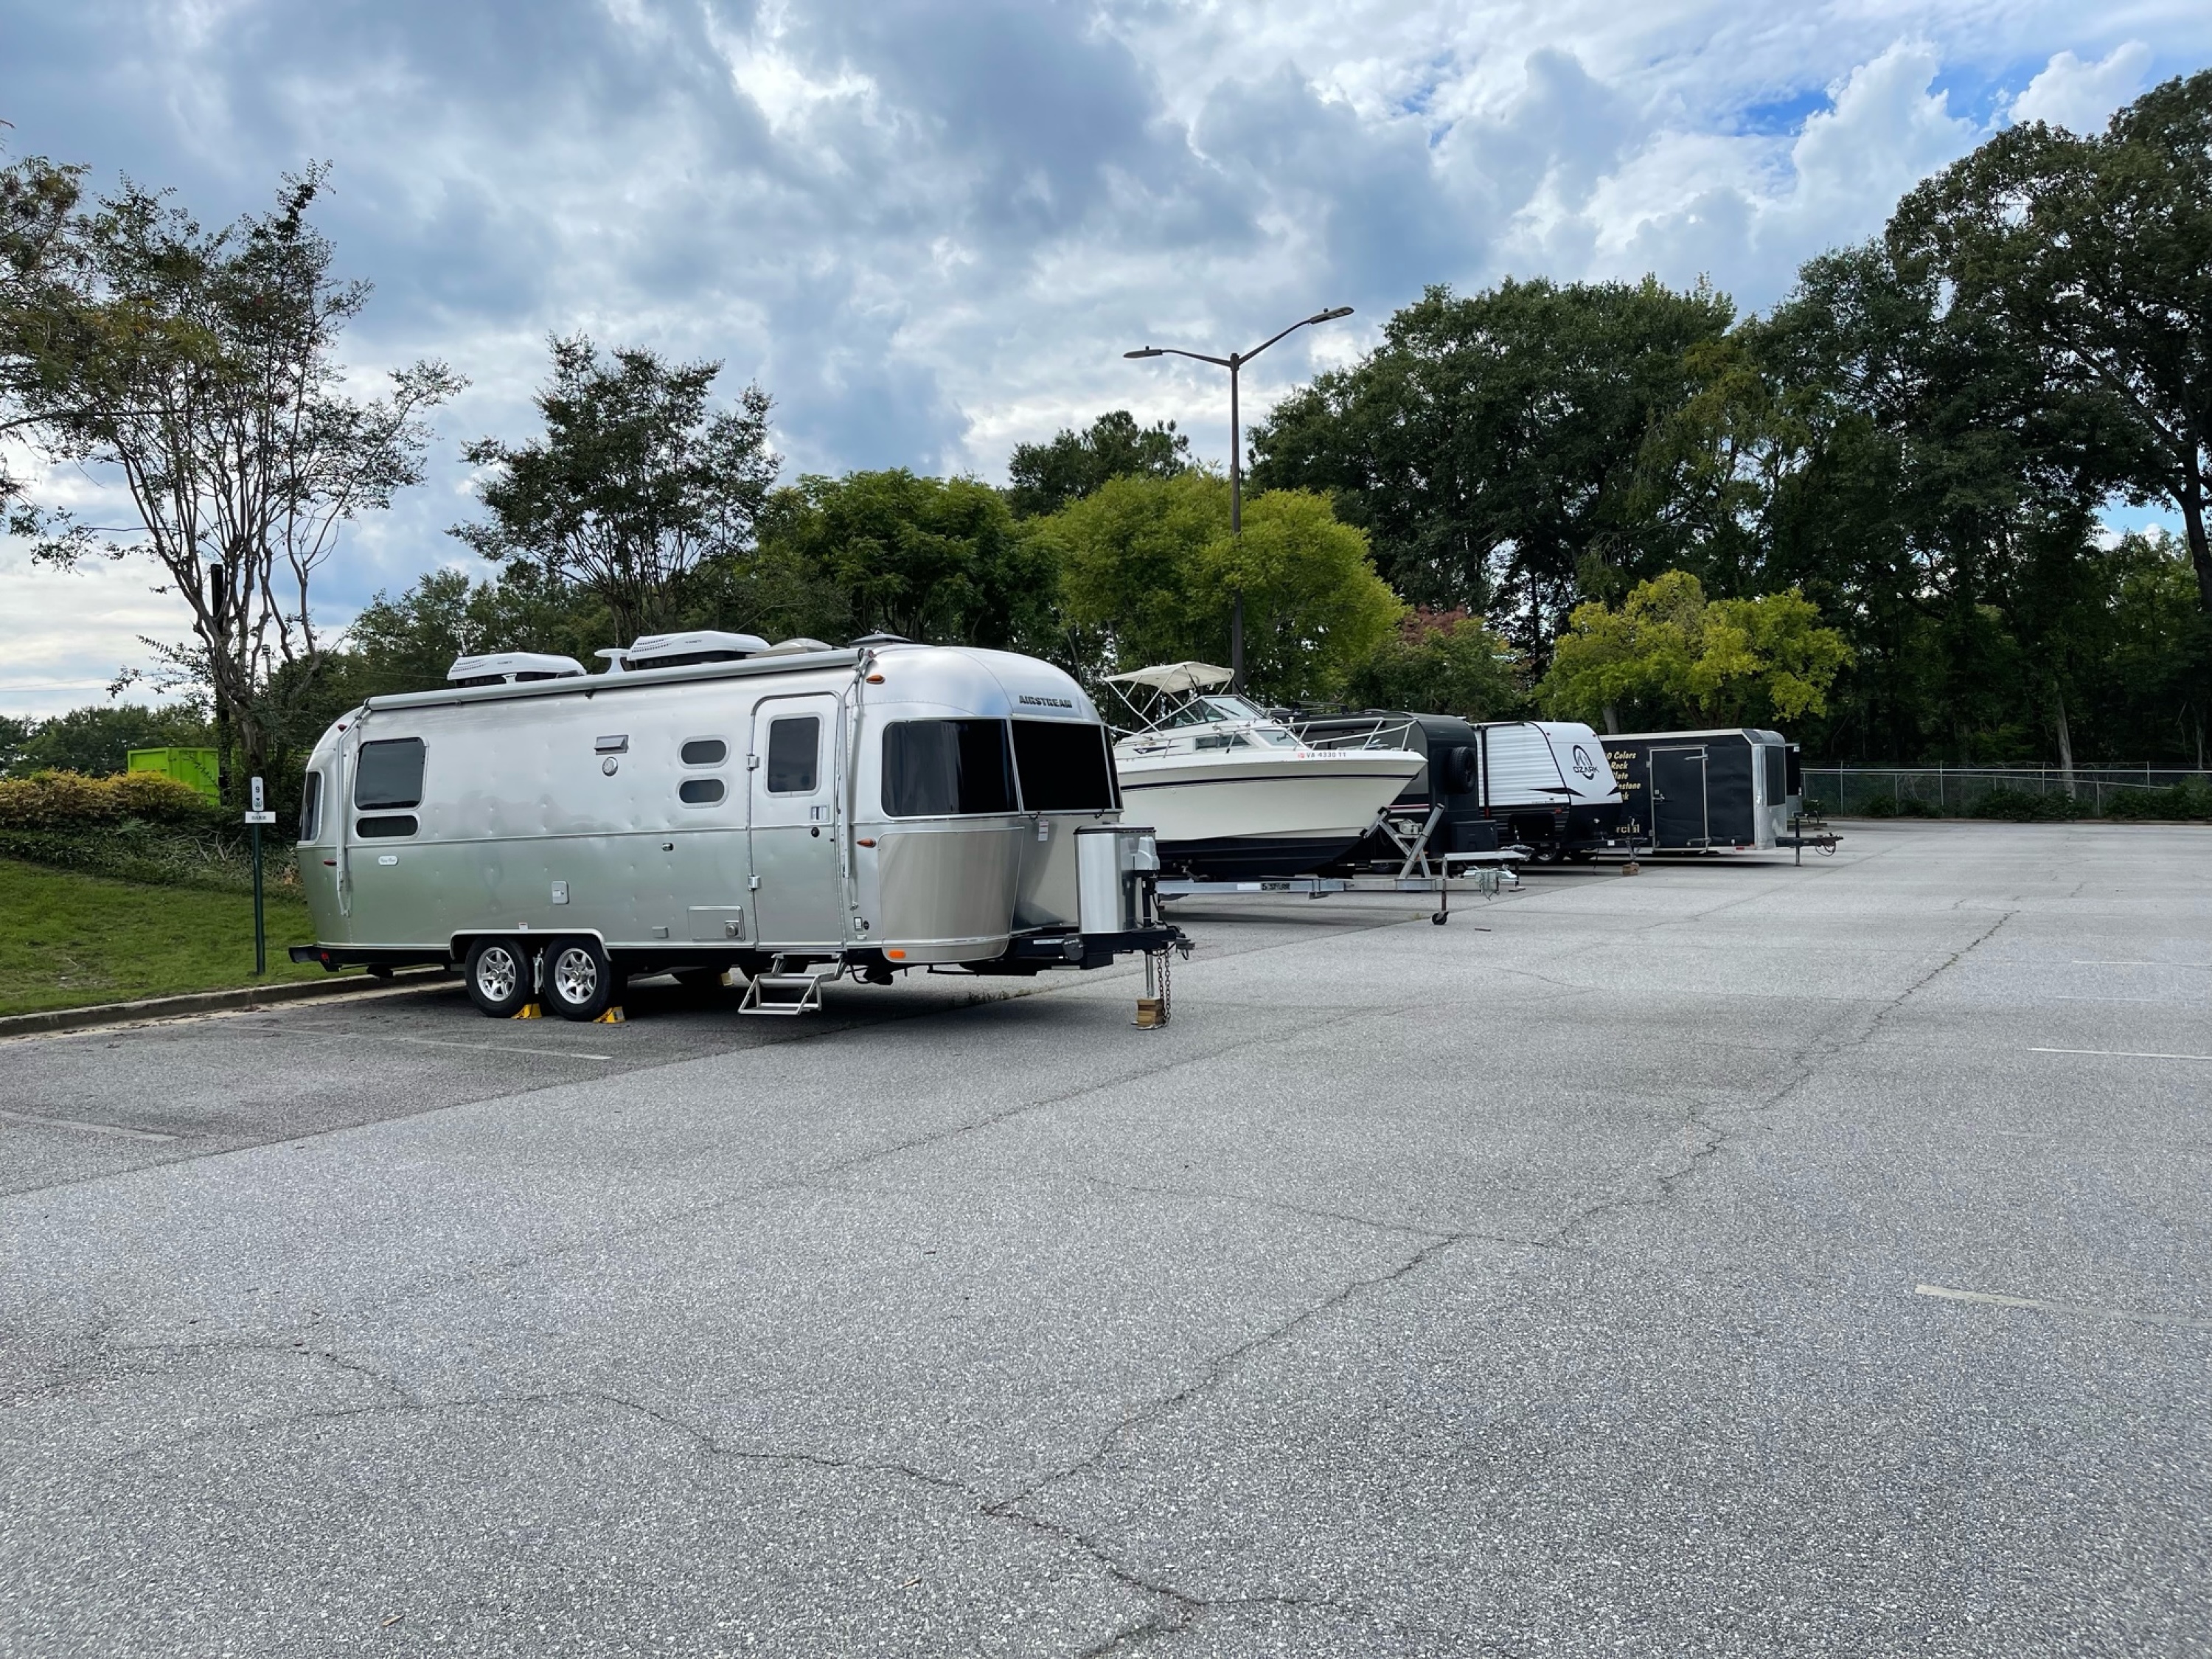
x=2193 y=799
x=69 y=800
x=2026 y=806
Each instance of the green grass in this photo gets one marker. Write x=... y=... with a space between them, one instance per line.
x=67 y=940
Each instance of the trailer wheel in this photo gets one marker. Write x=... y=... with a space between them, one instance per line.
x=498 y=976
x=580 y=980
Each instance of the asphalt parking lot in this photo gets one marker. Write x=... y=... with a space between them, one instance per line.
x=1738 y=1258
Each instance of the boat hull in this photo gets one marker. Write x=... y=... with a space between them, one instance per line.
x=1264 y=815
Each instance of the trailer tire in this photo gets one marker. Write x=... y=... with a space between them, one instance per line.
x=498 y=972
x=579 y=980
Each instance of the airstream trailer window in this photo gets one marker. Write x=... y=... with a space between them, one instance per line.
x=383 y=828
x=388 y=773
x=1064 y=767
x=705 y=751
x=310 y=807
x=701 y=791
x=793 y=744
x=946 y=768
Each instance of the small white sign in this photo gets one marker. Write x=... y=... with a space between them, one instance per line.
x=260 y=818
x=257 y=802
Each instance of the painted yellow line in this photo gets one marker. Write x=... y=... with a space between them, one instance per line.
x=2127 y=1315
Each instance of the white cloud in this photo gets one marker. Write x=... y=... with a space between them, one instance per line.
x=2081 y=96
x=929 y=230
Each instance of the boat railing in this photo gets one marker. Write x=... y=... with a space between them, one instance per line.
x=1335 y=731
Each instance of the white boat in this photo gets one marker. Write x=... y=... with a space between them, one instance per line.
x=1235 y=795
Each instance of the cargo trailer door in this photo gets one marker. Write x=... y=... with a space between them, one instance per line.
x=798 y=893
x=1679 y=815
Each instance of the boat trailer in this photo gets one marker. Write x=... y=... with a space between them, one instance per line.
x=1419 y=869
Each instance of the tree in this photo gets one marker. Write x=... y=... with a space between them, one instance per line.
x=2097 y=251
x=196 y=373
x=1488 y=446
x=1149 y=565
x=1044 y=478
x=1439 y=662
x=634 y=484
x=1669 y=656
x=409 y=643
x=97 y=741
x=13 y=735
x=935 y=559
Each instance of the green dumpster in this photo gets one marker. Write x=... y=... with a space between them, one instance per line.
x=194 y=767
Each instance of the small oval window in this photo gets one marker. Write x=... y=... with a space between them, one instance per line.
x=705 y=751
x=701 y=791
x=383 y=829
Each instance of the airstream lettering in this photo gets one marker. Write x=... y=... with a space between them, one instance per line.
x=788 y=812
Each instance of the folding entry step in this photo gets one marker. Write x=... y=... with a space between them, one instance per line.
x=784 y=993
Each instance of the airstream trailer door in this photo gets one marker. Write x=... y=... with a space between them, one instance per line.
x=793 y=818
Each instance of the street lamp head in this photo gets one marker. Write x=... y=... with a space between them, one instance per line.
x=1146 y=351
x=1330 y=316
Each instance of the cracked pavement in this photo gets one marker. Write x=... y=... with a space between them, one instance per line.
x=1550 y=1283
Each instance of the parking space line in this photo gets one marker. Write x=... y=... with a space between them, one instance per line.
x=116 y=1130
x=2117 y=1054
x=2123 y=1315
x=2080 y=962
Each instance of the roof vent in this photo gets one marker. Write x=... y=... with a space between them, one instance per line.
x=510 y=667
x=797 y=648
x=684 y=650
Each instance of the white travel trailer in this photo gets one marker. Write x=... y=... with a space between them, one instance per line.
x=1548 y=786
x=792 y=812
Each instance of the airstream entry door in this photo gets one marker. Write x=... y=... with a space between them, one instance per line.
x=793 y=820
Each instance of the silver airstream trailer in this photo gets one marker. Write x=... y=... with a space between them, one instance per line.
x=711 y=803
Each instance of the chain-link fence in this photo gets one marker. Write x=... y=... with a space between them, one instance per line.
x=2009 y=792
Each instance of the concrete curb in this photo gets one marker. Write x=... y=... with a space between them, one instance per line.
x=204 y=1002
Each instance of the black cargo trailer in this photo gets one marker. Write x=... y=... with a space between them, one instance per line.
x=1734 y=789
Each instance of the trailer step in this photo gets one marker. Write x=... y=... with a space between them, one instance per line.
x=784 y=994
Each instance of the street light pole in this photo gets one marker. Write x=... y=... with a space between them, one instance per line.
x=1234 y=362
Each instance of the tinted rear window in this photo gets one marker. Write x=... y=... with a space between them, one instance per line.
x=310 y=807
x=389 y=774
x=943 y=768
x=1064 y=767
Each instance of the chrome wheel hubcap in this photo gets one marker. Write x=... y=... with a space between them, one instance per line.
x=497 y=975
x=575 y=975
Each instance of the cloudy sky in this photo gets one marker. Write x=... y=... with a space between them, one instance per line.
x=930 y=230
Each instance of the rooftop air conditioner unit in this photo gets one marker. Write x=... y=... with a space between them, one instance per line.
x=508 y=667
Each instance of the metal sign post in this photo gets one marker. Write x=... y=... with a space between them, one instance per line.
x=255 y=818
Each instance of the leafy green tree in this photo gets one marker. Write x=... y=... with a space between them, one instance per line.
x=1439 y=662
x=632 y=485
x=1488 y=445
x=1044 y=478
x=97 y=741
x=198 y=374
x=1150 y=566
x=934 y=559
x=409 y=643
x=13 y=735
x=1667 y=655
x=2096 y=253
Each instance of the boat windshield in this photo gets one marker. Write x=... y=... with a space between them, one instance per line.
x=1260 y=733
